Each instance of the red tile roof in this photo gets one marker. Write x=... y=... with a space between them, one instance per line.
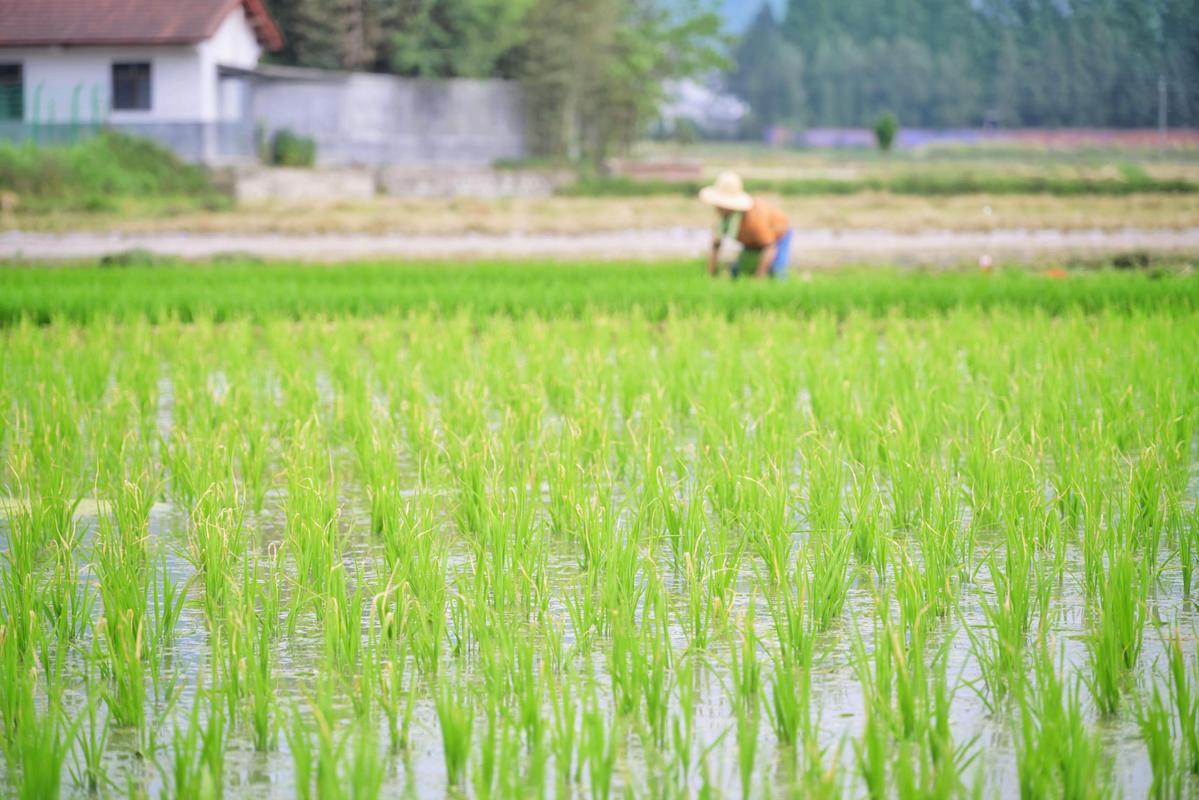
x=116 y=22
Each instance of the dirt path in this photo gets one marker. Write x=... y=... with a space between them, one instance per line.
x=812 y=247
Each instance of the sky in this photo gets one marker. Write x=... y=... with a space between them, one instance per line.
x=740 y=13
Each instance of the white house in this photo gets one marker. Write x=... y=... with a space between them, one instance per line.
x=170 y=70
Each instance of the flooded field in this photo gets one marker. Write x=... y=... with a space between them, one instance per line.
x=704 y=554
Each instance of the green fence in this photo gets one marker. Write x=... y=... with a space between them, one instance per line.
x=27 y=114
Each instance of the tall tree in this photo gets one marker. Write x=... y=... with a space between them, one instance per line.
x=1023 y=62
x=768 y=74
x=458 y=38
x=594 y=69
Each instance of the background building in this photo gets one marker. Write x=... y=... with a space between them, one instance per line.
x=186 y=73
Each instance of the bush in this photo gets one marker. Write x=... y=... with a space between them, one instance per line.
x=289 y=149
x=886 y=127
x=135 y=257
x=100 y=174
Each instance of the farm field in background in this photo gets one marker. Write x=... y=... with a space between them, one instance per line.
x=1079 y=160
x=114 y=184
x=581 y=215
x=558 y=530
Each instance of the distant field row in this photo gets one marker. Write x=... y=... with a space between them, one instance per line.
x=118 y=181
x=912 y=183
x=249 y=290
x=575 y=215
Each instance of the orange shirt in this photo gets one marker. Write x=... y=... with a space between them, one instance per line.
x=762 y=226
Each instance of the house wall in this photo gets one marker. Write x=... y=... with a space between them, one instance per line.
x=233 y=45
x=359 y=118
x=74 y=84
x=69 y=87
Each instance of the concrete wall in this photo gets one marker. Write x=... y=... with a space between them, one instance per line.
x=293 y=185
x=359 y=118
x=475 y=182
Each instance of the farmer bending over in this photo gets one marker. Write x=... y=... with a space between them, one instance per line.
x=763 y=230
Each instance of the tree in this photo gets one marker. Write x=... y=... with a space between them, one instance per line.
x=1033 y=62
x=768 y=74
x=458 y=38
x=594 y=70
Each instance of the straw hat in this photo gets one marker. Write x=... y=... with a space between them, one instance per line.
x=728 y=192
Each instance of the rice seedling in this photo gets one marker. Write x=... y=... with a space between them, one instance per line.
x=38 y=750
x=1154 y=723
x=257 y=659
x=198 y=752
x=865 y=522
x=818 y=777
x=300 y=747
x=790 y=621
x=565 y=738
x=1056 y=753
x=683 y=721
x=1116 y=636
x=455 y=715
x=788 y=707
x=1188 y=548
x=88 y=769
x=747 y=721
x=601 y=738
x=396 y=697
x=1184 y=695
x=1009 y=617
x=364 y=775
x=121 y=565
x=827 y=568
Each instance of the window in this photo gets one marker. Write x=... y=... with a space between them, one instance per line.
x=131 y=86
x=12 y=92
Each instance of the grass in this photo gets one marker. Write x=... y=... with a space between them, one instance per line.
x=915 y=183
x=521 y=530
x=106 y=173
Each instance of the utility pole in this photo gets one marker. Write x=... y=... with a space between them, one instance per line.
x=1159 y=33
x=1162 y=100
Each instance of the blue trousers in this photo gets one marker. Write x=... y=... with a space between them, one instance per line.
x=749 y=259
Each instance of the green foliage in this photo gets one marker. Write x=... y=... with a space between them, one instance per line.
x=594 y=70
x=102 y=173
x=886 y=128
x=768 y=74
x=949 y=63
x=336 y=34
x=459 y=38
x=292 y=150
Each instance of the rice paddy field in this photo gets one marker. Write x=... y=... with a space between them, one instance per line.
x=547 y=530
